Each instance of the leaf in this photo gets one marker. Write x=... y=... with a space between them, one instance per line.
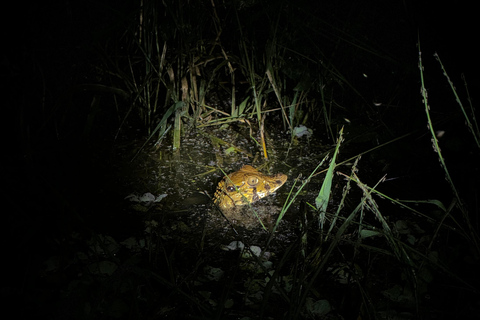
x=364 y=233
x=321 y=201
x=102 y=267
x=317 y=308
x=230 y=150
x=301 y=131
x=242 y=106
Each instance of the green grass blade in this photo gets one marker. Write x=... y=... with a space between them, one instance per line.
x=474 y=132
x=321 y=202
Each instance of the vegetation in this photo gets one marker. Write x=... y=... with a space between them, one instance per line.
x=169 y=72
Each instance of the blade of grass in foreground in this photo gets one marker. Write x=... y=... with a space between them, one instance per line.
x=475 y=132
x=473 y=236
x=290 y=200
x=321 y=201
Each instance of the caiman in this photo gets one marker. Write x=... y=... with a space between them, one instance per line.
x=246 y=185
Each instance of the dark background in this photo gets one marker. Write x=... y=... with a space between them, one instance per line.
x=48 y=47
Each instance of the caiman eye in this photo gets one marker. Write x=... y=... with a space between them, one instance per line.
x=252 y=181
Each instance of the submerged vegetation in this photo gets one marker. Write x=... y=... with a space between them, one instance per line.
x=379 y=217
